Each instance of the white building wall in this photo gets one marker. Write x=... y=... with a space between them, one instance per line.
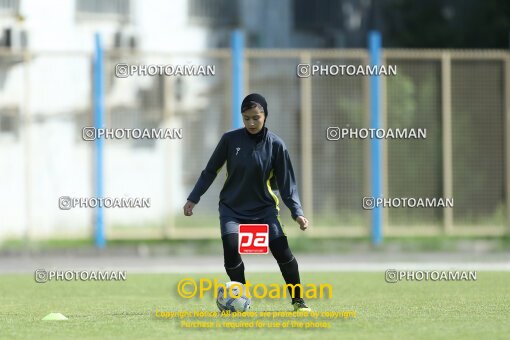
x=51 y=158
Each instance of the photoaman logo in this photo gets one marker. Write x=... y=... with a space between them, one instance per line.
x=188 y=288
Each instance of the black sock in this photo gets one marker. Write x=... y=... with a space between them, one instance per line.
x=232 y=260
x=290 y=272
x=236 y=273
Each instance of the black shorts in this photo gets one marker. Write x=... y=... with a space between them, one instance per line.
x=230 y=225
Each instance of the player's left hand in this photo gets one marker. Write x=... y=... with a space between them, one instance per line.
x=303 y=222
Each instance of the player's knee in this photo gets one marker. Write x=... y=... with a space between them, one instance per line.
x=232 y=261
x=230 y=252
x=280 y=250
x=234 y=265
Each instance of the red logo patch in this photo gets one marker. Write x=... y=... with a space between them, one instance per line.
x=253 y=238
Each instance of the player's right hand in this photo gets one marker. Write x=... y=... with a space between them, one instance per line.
x=303 y=222
x=188 y=208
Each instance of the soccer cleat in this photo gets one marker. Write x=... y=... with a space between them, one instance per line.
x=300 y=306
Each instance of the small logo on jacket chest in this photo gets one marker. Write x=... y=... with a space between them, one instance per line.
x=237 y=150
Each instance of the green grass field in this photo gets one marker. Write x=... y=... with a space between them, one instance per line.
x=469 y=310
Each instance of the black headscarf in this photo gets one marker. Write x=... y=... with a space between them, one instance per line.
x=249 y=102
x=256 y=98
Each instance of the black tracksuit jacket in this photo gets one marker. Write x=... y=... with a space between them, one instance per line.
x=252 y=165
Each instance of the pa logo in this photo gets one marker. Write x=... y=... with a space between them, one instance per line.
x=253 y=239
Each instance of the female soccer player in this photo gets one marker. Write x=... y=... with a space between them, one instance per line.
x=255 y=158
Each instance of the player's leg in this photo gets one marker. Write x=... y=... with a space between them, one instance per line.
x=288 y=264
x=233 y=262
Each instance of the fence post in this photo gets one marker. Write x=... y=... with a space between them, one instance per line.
x=99 y=143
x=306 y=138
x=26 y=137
x=446 y=99
x=374 y=44
x=237 y=50
x=506 y=120
x=385 y=219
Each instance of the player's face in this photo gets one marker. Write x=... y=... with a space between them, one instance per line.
x=253 y=120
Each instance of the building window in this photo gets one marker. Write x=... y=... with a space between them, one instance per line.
x=9 y=121
x=317 y=15
x=214 y=12
x=117 y=9
x=9 y=7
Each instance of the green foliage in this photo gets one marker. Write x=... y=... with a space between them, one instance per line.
x=446 y=23
x=414 y=166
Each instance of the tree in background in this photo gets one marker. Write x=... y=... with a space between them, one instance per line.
x=446 y=23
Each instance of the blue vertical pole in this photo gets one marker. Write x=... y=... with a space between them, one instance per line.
x=374 y=43
x=99 y=142
x=237 y=45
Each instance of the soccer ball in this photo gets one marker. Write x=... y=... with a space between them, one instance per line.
x=226 y=300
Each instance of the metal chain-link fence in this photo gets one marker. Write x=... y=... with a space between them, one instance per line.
x=459 y=97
